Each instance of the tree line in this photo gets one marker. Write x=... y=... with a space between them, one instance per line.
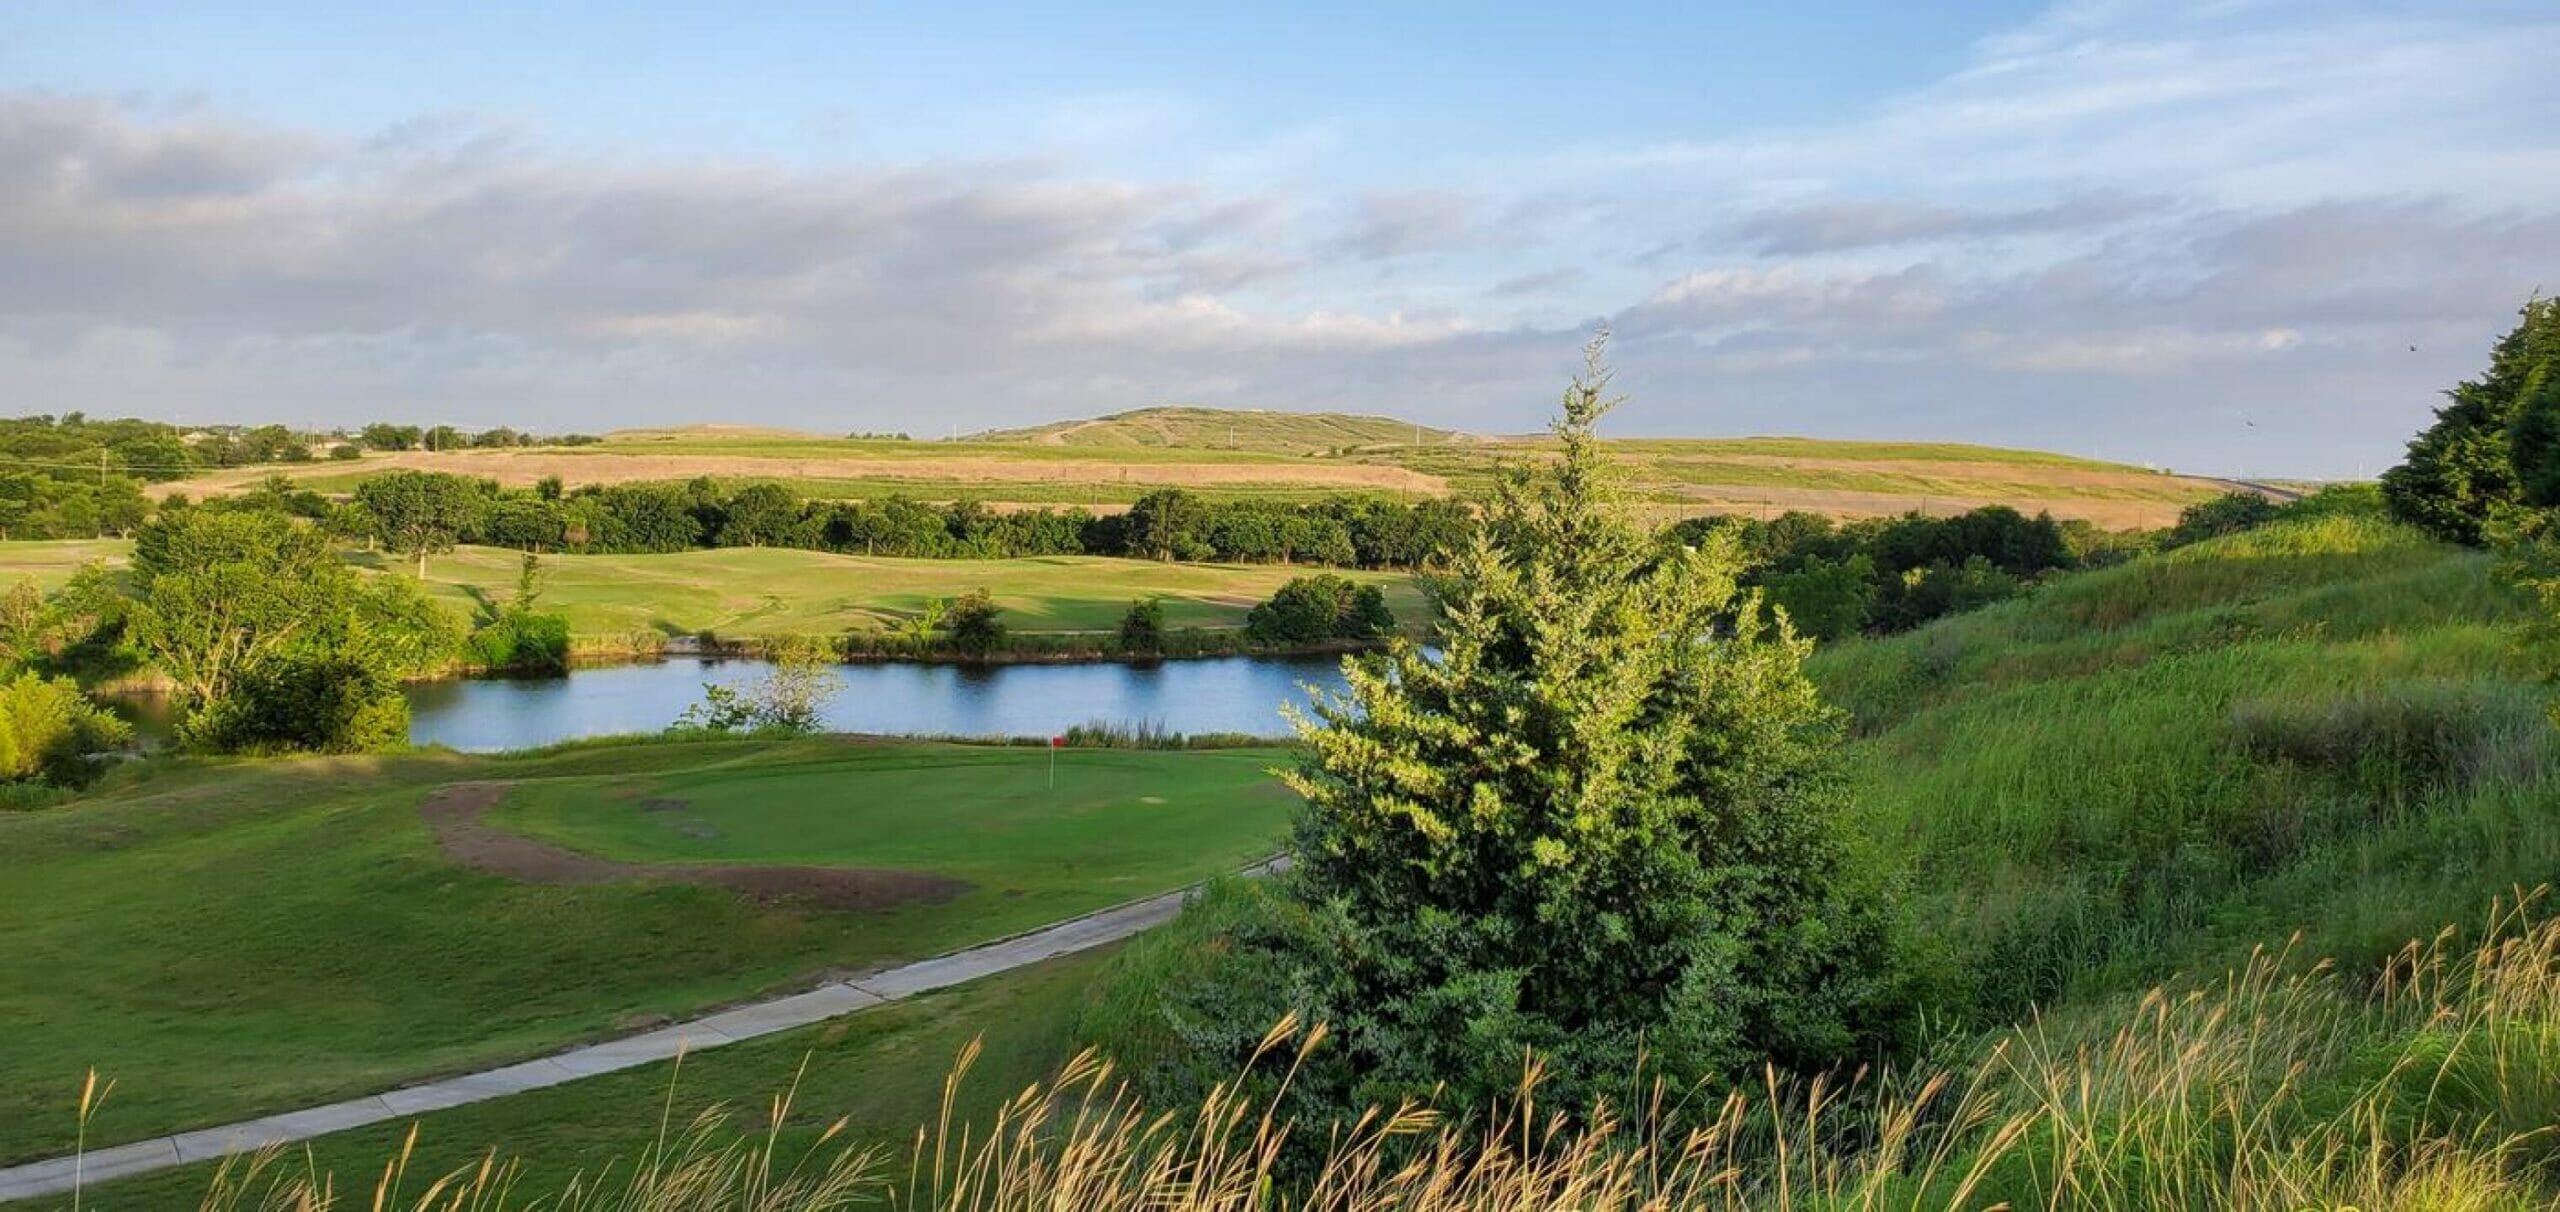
x=422 y=513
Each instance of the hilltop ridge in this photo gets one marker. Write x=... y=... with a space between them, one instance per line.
x=1195 y=428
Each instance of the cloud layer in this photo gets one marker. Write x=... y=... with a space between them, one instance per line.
x=2248 y=238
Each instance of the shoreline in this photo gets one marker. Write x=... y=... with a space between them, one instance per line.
x=148 y=683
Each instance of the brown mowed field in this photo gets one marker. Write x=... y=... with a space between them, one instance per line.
x=1105 y=463
x=519 y=468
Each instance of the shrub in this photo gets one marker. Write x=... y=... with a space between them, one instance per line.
x=2230 y=513
x=1142 y=629
x=1320 y=608
x=522 y=641
x=973 y=625
x=317 y=704
x=791 y=697
x=49 y=727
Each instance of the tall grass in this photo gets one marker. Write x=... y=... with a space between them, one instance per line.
x=2434 y=1083
x=2140 y=769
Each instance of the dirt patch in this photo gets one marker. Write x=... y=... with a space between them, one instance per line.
x=454 y=815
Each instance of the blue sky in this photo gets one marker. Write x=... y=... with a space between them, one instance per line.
x=2236 y=235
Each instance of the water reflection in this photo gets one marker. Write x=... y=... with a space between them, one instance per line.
x=1237 y=694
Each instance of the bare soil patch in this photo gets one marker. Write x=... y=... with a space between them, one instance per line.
x=454 y=813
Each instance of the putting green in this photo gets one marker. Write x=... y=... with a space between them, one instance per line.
x=992 y=815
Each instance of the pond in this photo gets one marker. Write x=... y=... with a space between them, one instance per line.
x=1230 y=694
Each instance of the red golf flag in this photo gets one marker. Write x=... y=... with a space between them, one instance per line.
x=1057 y=742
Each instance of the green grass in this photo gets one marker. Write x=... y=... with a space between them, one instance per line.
x=1114 y=820
x=880 y=1072
x=2323 y=726
x=230 y=939
x=49 y=563
x=756 y=592
x=760 y=592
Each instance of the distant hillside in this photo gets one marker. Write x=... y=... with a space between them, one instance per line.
x=1296 y=433
x=1107 y=462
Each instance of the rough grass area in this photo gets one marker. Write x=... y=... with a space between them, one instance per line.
x=227 y=940
x=2323 y=726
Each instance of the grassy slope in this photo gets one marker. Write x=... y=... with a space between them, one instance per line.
x=232 y=939
x=2323 y=726
x=1298 y=433
x=749 y=592
x=1111 y=460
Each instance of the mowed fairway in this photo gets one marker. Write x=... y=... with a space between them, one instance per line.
x=754 y=592
x=226 y=940
x=995 y=816
x=757 y=591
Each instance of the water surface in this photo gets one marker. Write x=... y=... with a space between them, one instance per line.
x=1227 y=694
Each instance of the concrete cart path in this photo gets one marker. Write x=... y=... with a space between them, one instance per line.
x=55 y=1176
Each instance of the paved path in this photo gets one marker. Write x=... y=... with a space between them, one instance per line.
x=58 y=1175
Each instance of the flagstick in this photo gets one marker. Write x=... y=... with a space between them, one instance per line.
x=1053 y=764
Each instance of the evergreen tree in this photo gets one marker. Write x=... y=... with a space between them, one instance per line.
x=1599 y=823
x=2460 y=473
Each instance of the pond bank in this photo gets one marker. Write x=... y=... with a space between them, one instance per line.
x=1240 y=695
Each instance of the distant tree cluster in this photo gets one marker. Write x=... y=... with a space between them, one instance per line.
x=384 y=435
x=1891 y=574
x=421 y=513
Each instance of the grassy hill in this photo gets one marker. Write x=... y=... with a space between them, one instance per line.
x=1295 y=433
x=1106 y=462
x=2323 y=726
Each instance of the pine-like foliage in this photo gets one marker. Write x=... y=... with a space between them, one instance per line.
x=1597 y=822
x=2469 y=468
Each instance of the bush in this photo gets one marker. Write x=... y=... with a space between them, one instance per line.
x=324 y=704
x=1320 y=608
x=1142 y=629
x=973 y=625
x=791 y=698
x=2230 y=513
x=522 y=641
x=48 y=729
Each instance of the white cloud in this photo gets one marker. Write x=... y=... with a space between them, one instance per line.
x=2111 y=229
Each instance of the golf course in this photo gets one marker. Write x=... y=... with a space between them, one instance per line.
x=628 y=601
x=229 y=939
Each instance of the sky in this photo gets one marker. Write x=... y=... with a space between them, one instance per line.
x=2250 y=237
